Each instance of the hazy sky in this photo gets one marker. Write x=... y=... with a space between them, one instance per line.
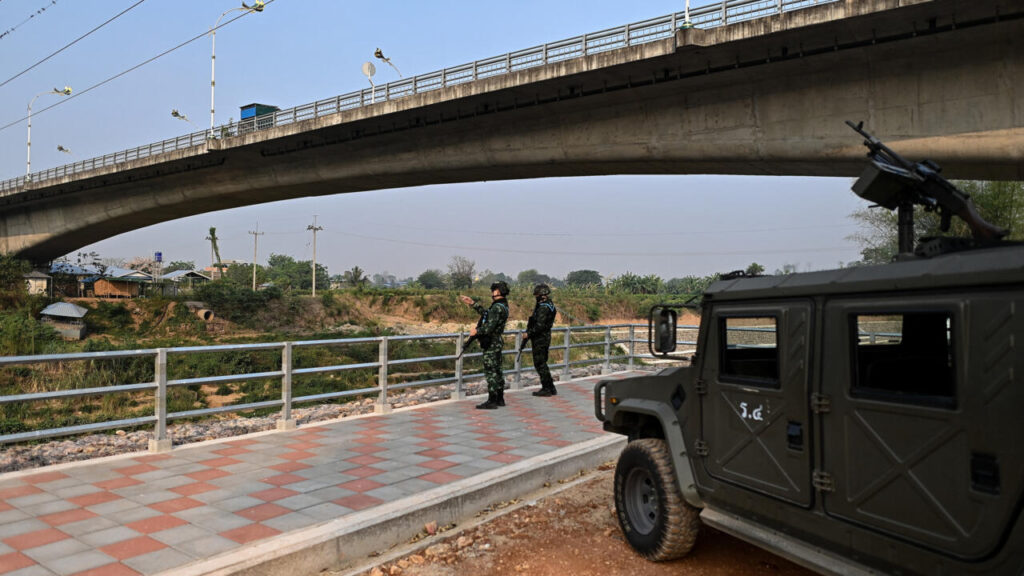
x=298 y=51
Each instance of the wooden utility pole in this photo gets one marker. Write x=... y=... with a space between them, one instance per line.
x=255 y=244
x=315 y=229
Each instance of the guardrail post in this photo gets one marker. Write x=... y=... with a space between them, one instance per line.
x=517 y=382
x=632 y=345
x=286 y=422
x=566 y=356
x=725 y=12
x=382 y=406
x=460 y=393
x=583 y=52
x=160 y=441
x=544 y=56
x=607 y=351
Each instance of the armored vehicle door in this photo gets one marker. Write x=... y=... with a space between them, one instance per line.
x=754 y=414
x=923 y=440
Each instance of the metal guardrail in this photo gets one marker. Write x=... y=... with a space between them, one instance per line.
x=288 y=370
x=709 y=16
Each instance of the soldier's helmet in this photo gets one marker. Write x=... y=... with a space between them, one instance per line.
x=501 y=287
x=541 y=290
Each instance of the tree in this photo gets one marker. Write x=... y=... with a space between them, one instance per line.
x=487 y=278
x=630 y=283
x=1000 y=203
x=12 y=284
x=180 y=265
x=755 y=269
x=583 y=278
x=356 y=277
x=431 y=279
x=460 y=272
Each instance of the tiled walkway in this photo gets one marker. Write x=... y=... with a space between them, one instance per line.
x=149 y=513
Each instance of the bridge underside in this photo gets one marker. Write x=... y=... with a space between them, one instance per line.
x=940 y=79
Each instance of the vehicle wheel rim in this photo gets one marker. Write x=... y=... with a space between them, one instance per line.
x=641 y=500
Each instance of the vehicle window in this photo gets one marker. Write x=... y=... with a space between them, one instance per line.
x=750 y=350
x=904 y=357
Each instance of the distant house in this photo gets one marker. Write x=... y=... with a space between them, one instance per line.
x=71 y=279
x=121 y=283
x=185 y=280
x=38 y=282
x=66 y=318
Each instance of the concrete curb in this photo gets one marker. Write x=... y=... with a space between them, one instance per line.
x=338 y=543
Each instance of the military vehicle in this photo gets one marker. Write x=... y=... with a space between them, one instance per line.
x=868 y=420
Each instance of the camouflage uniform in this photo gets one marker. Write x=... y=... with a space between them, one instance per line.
x=490 y=332
x=538 y=329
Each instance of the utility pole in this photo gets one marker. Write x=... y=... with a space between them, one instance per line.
x=255 y=245
x=315 y=229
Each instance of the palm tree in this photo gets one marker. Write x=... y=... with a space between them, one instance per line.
x=356 y=277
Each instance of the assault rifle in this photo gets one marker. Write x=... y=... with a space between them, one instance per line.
x=894 y=182
x=474 y=338
x=526 y=337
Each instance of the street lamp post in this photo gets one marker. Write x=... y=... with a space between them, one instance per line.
x=256 y=7
x=28 y=161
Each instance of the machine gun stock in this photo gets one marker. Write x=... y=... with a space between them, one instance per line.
x=893 y=182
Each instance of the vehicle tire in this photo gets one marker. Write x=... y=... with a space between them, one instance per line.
x=655 y=519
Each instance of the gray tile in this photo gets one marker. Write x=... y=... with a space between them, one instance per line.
x=212 y=519
x=326 y=511
x=293 y=521
x=61 y=484
x=5 y=549
x=94 y=524
x=388 y=493
x=213 y=496
x=238 y=503
x=78 y=489
x=157 y=478
x=298 y=502
x=206 y=546
x=180 y=534
x=158 y=561
x=415 y=485
x=184 y=467
x=113 y=507
x=21 y=527
x=109 y=536
x=309 y=485
x=79 y=562
x=244 y=467
x=34 y=500
x=135 y=514
x=55 y=551
x=144 y=494
x=330 y=493
x=12 y=516
x=36 y=570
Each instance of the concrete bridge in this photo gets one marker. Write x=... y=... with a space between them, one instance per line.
x=939 y=79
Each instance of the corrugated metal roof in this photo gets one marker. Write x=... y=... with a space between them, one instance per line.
x=184 y=273
x=65 y=310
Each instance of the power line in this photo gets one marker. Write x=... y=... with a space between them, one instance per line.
x=572 y=253
x=71 y=43
x=30 y=16
x=132 y=69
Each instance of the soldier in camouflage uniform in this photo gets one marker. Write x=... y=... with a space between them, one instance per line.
x=538 y=331
x=489 y=332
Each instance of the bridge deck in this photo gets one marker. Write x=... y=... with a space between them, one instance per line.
x=144 y=514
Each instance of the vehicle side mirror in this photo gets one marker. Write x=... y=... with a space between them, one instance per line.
x=663 y=325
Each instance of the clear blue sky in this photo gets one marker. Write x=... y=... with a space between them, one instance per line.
x=298 y=51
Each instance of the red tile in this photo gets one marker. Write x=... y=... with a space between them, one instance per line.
x=18 y=491
x=242 y=442
x=303 y=445
x=365 y=460
x=364 y=472
x=368 y=440
x=152 y=458
x=284 y=479
x=220 y=462
x=136 y=470
x=250 y=533
x=175 y=505
x=117 y=483
x=67 y=517
x=358 y=501
x=44 y=477
x=440 y=477
x=361 y=485
x=194 y=488
x=367 y=449
x=290 y=467
x=14 y=561
x=156 y=524
x=211 y=474
x=93 y=499
x=263 y=512
x=109 y=570
x=497 y=447
x=132 y=548
x=437 y=464
x=556 y=443
x=34 y=539
x=435 y=453
x=297 y=455
x=492 y=439
x=505 y=458
x=273 y=494
x=432 y=444
x=232 y=451
x=430 y=435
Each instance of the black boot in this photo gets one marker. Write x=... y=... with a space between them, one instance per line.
x=500 y=400
x=490 y=404
x=552 y=390
x=543 y=392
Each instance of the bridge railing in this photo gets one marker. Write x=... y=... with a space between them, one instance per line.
x=708 y=16
x=575 y=344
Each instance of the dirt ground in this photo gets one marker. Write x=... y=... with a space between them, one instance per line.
x=573 y=533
